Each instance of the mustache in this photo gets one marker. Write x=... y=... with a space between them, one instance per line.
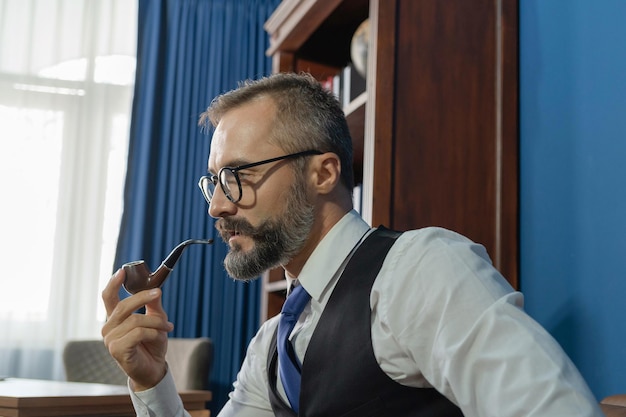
x=228 y=225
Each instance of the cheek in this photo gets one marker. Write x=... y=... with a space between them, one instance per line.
x=275 y=206
x=268 y=207
x=272 y=196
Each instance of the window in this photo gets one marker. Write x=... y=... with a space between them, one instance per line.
x=66 y=82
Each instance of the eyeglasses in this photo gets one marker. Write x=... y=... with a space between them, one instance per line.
x=228 y=178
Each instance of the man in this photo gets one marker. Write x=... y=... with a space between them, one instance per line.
x=428 y=329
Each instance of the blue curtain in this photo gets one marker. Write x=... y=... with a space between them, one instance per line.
x=189 y=51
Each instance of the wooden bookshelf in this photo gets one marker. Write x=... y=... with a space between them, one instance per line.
x=436 y=131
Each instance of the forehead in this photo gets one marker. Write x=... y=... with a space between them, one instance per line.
x=243 y=135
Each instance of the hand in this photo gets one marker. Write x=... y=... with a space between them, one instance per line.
x=138 y=342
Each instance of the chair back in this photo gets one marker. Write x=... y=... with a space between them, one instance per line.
x=90 y=361
x=189 y=361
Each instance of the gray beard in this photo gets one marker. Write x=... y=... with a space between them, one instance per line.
x=276 y=240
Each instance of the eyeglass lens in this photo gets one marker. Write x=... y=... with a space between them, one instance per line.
x=230 y=184
x=208 y=187
x=228 y=181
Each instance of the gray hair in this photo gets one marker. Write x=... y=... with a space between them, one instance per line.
x=307 y=117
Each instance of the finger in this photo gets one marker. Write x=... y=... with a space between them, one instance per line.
x=135 y=324
x=141 y=352
x=123 y=318
x=138 y=320
x=130 y=305
x=110 y=294
x=141 y=336
x=155 y=307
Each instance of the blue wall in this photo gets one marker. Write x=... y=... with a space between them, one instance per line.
x=573 y=180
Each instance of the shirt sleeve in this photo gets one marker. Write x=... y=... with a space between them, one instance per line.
x=160 y=400
x=250 y=397
x=449 y=320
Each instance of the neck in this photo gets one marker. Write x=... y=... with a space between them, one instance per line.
x=320 y=229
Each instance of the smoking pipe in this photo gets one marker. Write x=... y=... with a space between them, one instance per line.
x=138 y=276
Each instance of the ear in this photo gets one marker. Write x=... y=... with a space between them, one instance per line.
x=325 y=172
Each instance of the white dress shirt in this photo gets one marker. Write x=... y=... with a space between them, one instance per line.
x=442 y=317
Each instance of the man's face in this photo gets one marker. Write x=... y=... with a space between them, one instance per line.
x=273 y=219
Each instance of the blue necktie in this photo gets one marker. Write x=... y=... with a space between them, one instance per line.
x=288 y=364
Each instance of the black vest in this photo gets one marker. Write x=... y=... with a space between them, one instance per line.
x=340 y=375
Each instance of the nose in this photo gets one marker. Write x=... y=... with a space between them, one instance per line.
x=220 y=205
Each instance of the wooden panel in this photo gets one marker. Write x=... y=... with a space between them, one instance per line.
x=200 y=413
x=379 y=113
x=452 y=165
x=506 y=256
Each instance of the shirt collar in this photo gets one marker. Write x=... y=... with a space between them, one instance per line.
x=330 y=253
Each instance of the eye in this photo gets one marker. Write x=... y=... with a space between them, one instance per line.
x=230 y=180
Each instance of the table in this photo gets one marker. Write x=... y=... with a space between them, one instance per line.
x=614 y=405
x=39 y=398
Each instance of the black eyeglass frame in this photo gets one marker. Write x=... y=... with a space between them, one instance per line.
x=215 y=179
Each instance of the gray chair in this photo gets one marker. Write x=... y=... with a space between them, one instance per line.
x=189 y=361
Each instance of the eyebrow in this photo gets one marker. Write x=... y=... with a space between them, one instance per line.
x=232 y=164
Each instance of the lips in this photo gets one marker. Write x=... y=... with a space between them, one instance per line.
x=228 y=234
x=229 y=228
